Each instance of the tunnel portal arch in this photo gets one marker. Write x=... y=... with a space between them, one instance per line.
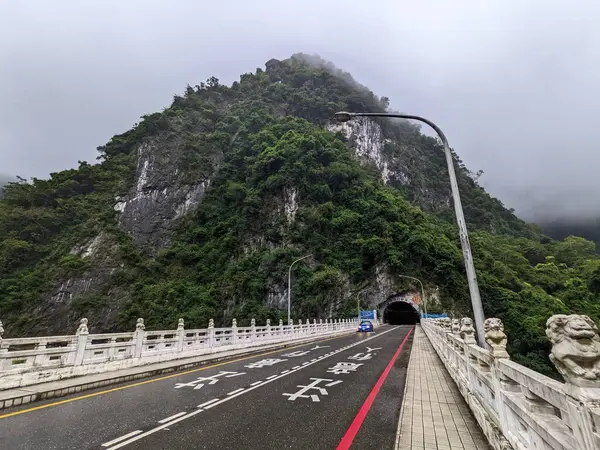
x=400 y=309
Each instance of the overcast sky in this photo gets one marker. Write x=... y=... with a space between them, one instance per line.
x=514 y=84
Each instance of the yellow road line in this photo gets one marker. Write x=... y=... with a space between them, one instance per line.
x=108 y=391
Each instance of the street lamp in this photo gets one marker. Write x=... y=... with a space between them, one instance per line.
x=290 y=287
x=364 y=291
x=344 y=116
x=422 y=291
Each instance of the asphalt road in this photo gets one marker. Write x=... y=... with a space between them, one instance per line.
x=294 y=398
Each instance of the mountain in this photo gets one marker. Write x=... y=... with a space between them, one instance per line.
x=4 y=180
x=198 y=211
x=559 y=229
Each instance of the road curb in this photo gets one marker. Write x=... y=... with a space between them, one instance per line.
x=45 y=391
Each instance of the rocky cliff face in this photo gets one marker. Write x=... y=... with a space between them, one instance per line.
x=159 y=197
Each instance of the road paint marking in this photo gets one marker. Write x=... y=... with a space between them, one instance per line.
x=305 y=363
x=166 y=377
x=285 y=371
x=255 y=383
x=305 y=388
x=154 y=430
x=119 y=439
x=179 y=419
x=236 y=391
x=271 y=377
x=313 y=360
x=295 y=367
x=348 y=438
x=174 y=416
x=333 y=383
x=207 y=403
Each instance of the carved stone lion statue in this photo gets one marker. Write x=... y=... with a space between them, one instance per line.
x=83 y=328
x=495 y=337
x=139 y=325
x=575 y=348
x=467 y=332
x=456 y=327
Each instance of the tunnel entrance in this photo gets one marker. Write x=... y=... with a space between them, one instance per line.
x=400 y=313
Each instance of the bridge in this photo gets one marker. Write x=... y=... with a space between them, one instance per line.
x=315 y=384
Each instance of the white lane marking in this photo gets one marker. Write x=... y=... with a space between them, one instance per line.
x=333 y=383
x=114 y=441
x=174 y=416
x=271 y=377
x=193 y=413
x=207 y=403
x=285 y=371
x=236 y=391
x=255 y=383
x=295 y=367
x=313 y=360
x=154 y=430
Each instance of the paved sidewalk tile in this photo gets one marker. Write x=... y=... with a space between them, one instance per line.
x=434 y=416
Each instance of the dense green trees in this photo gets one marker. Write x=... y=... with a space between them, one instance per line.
x=281 y=186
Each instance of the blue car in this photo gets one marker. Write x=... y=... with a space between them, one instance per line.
x=365 y=327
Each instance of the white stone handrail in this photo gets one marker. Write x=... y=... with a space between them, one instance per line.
x=516 y=407
x=28 y=361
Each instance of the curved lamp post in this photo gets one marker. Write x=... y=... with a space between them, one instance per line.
x=422 y=291
x=344 y=116
x=290 y=287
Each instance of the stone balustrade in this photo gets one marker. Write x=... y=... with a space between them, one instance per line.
x=28 y=361
x=516 y=407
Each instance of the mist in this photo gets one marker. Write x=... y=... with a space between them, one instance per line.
x=512 y=84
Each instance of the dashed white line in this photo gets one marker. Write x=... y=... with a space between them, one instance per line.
x=255 y=383
x=295 y=367
x=236 y=391
x=137 y=436
x=208 y=403
x=285 y=371
x=313 y=360
x=333 y=383
x=119 y=439
x=154 y=430
x=174 y=416
x=271 y=377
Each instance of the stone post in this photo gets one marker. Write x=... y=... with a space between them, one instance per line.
x=280 y=331
x=456 y=327
x=180 y=335
x=234 y=331
x=82 y=335
x=576 y=355
x=268 y=329
x=496 y=339
x=252 y=330
x=139 y=337
x=467 y=332
x=314 y=327
x=2 y=349
x=211 y=333
x=291 y=324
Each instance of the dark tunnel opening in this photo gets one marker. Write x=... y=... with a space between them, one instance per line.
x=400 y=313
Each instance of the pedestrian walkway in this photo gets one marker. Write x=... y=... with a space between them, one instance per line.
x=434 y=414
